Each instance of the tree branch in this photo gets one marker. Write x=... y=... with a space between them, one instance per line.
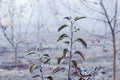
x=5 y=35
x=97 y=19
x=92 y=8
x=106 y=15
x=115 y=16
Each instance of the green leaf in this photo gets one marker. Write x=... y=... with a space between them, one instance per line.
x=66 y=42
x=59 y=59
x=57 y=69
x=31 y=52
x=48 y=58
x=49 y=78
x=64 y=52
x=80 y=53
x=74 y=63
x=36 y=76
x=46 y=55
x=77 y=18
x=76 y=29
x=82 y=41
x=62 y=36
x=62 y=27
x=68 y=18
x=42 y=48
x=46 y=61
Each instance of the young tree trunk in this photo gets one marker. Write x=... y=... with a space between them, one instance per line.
x=70 y=56
x=11 y=42
x=42 y=75
x=12 y=34
x=15 y=49
x=114 y=56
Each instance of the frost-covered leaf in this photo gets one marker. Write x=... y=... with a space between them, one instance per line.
x=62 y=36
x=74 y=63
x=81 y=55
x=64 y=52
x=59 y=59
x=42 y=48
x=68 y=18
x=62 y=27
x=82 y=42
x=32 y=67
x=78 y=18
x=49 y=78
x=35 y=76
x=46 y=61
x=66 y=42
x=57 y=70
x=46 y=55
x=31 y=52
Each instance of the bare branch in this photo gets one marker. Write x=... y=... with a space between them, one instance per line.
x=5 y=35
x=28 y=24
x=87 y=6
x=106 y=15
x=19 y=23
x=97 y=19
x=115 y=16
x=71 y=9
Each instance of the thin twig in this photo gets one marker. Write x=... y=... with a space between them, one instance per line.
x=87 y=6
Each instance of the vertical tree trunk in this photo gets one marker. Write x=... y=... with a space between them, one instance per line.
x=71 y=46
x=15 y=49
x=114 y=56
x=69 y=73
x=42 y=75
x=12 y=34
x=20 y=31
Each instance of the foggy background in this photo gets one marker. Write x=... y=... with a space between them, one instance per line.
x=49 y=14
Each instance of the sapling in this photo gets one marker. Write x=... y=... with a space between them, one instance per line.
x=109 y=11
x=70 y=40
x=42 y=60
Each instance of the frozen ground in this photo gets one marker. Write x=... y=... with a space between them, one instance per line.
x=98 y=54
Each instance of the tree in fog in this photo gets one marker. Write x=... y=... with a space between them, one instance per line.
x=101 y=11
x=10 y=24
x=108 y=11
